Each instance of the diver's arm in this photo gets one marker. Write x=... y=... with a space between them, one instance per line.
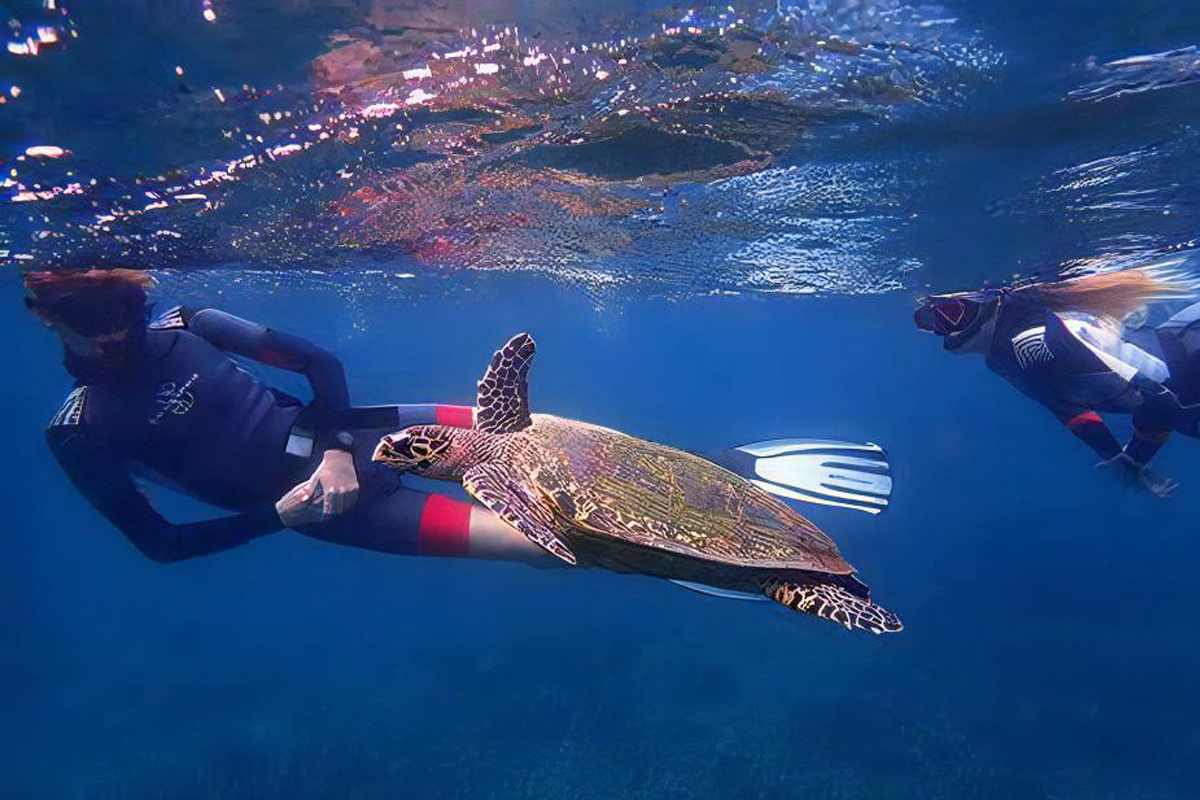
x=1160 y=413
x=1039 y=373
x=322 y=368
x=1089 y=428
x=1126 y=464
x=103 y=480
x=1145 y=443
x=1162 y=410
x=277 y=349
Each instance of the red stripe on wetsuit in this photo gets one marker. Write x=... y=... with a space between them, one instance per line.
x=455 y=416
x=1084 y=418
x=1091 y=430
x=445 y=528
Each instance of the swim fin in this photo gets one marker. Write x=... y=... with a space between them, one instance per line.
x=823 y=471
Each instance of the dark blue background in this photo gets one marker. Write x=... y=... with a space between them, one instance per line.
x=1050 y=650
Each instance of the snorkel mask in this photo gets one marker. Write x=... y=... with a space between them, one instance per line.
x=109 y=317
x=957 y=317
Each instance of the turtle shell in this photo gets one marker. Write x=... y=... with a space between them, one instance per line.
x=606 y=483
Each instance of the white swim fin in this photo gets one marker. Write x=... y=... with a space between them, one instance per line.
x=823 y=471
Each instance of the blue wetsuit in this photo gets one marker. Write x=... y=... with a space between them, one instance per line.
x=1033 y=349
x=181 y=412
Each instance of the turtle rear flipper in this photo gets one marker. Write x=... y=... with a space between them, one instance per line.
x=501 y=491
x=834 y=603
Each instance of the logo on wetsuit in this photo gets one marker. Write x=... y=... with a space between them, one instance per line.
x=174 y=398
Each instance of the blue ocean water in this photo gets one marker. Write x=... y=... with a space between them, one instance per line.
x=1050 y=648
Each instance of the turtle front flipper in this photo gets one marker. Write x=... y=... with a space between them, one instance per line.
x=834 y=603
x=501 y=491
x=502 y=399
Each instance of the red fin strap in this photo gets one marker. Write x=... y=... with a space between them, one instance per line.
x=1085 y=418
x=445 y=527
x=455 y=416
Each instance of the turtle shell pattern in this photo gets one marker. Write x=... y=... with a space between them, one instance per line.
x=604 y=482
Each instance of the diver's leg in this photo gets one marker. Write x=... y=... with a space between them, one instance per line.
x=493 y=538
x=393 y=518
x=1185 y=383
x=1185 y=379
x=410 y=522
x=1179 y=338
x=1185 y=322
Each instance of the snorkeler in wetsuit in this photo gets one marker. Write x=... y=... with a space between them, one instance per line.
x=1065 y=345
x=165 y=400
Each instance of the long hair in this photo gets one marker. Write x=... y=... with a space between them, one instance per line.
x=1113 y=296
x=49 y=285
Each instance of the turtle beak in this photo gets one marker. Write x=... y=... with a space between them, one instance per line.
x=385 y=452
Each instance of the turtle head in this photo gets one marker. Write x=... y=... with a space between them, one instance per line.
x=426 y=450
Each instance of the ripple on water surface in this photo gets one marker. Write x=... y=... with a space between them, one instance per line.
x=680 y=152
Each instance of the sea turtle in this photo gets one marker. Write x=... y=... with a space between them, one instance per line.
x=595 y=496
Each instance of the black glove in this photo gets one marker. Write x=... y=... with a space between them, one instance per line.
x=1131 y=473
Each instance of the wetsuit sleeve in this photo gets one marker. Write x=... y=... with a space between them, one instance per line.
x=277 y=349
x=1031 y=350
x=436 y=414
x=101 y=477
x=1089 y=428
x=1087 y=425
x=1159 y=413
x=1145 y=442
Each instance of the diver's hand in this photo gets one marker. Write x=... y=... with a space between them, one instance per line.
x=1155 y=484
x=299 y=507
x=335 y=482
x=1131 y=473
x=332 y=489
